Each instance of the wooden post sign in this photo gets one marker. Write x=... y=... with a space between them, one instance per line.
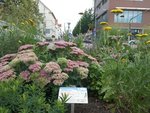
x=74 y=94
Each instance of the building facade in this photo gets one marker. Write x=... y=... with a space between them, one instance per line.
x=135 y=16
x=50 y=27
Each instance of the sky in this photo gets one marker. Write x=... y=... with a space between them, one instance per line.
x=68 y=10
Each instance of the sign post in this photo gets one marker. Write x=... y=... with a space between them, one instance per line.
x=72 y=108
x=75 y=95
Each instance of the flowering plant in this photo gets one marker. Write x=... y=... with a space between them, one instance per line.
x=56 y=63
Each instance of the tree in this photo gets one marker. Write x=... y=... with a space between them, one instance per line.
x=18 y=11
x=85 y=23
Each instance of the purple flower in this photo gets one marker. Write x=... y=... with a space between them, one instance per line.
x=7 y=74
x=25 y=75
x=34 y=67
x=77 y=51
x=43 y=73
x=64 y=44
x=4 y=68
x=27 y=56
x=3 y=64
x=72 y=64
x=42 y=43
x=7 y=57
x=52 y=67
x=68 y=70
x=83 y=64
x=61 y=43
x=59 y=47
x=25 y=47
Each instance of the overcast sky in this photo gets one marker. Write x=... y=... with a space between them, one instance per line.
x=67 y=10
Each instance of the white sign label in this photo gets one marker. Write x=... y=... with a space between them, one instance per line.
x=74 y=94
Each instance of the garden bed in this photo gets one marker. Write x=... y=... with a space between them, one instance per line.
x=94 y=106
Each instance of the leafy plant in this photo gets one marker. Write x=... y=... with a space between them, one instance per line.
x=124 y=79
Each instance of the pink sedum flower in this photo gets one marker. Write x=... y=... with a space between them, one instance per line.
x=42 y=43
x=60 y=47
x=77 y=51
x=82 y=64
x=63 y=44
x=58 y=82
x=7 y=57
x=25 y=75
x=72 y=64
x=43 y=73
x=25 y=47
x=52 y=67
x=7 y=74
x=68 y=70
x=34 y=67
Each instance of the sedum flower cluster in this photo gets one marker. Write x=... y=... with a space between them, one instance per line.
x=63 y=44
x=55 y=70
x=57 y=76
x=6 y=71
x=78 y=51
x=83 y=72
x=25 y=55
x=82 y=68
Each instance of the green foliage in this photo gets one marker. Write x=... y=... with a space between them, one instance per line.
x=43 y=54
x=21 y=97
x=66 y=37
x=111 y=37
x=21 y=20
x=62 y=62
x=85 y=23
x=79 y=41
x=125 y=77
x=17 y=11
x=127 y=83
x=58 y=104
x=4 y=110
x=95 y=74
x=11 y=38
x=64 y=97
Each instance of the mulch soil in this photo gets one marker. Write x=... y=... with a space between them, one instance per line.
x=94 y=106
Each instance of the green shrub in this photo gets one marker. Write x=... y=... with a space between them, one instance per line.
x=13 y=36
x=23 y=97
x=125 y=79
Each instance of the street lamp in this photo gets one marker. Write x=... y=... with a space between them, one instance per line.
x=81 y=13
x=130 y=23
x=68 y=26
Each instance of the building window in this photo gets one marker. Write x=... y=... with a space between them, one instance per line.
x=103 y=17
x=104 y=1
x=101 y=3
x=129 y=16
